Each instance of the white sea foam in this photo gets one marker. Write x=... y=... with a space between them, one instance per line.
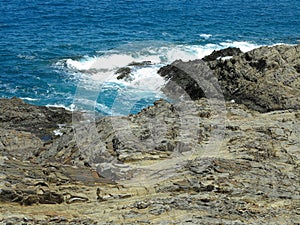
x=70 y=107
x=157 y=55
x=97 y=74
x=243 y=45
x=58 y=132
x=205 y=36
x=29 y=99
x=145 y=78
x=103 y=108
x=106 y=62
x=84 y=64
x=101 y=69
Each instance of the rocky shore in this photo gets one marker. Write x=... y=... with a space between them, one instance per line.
x=226 y=152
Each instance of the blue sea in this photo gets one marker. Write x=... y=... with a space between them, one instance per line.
x=66 y=53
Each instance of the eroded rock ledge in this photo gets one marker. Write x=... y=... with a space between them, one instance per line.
x=192 y=162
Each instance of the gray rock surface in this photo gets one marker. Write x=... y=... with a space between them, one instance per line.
x=190 y=80
x=160 y=167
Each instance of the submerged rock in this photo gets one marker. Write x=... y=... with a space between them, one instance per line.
x=143 y=63
x=123 y=73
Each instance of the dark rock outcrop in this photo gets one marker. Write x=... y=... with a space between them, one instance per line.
x=263 y=79
x=189 y=80
x=41 y=121
x=231 y=51
x=123 y=73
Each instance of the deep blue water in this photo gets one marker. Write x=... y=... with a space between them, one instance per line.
x=45 y=46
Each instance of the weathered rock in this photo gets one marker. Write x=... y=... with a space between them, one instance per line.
x=231 y=51
x=20 y=144
x=189 y=80
x=38 y=120
x=264 y=79
x=171 y=174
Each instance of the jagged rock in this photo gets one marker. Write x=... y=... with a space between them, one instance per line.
x=38 y=120
x=231 y=51
x=264 y=79
x=189 y=80
x=164 y=168
x=124 y=73
x=184 y=127
x=19 y=144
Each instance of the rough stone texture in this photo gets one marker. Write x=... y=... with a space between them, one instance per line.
x=159 y=167
x=19 y=144
x=42 y=121
x=264 y=79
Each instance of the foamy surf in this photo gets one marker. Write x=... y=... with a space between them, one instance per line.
x=156 y=55
x=102 y=68
x=29 y=99
x=70 y=107
x=100 y=89
x=205 y=36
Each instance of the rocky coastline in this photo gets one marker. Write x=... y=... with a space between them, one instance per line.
x=226 y=152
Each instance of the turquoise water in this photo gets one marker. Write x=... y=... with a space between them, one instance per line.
x=66 y=52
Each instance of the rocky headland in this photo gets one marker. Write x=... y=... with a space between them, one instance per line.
x=226 y=152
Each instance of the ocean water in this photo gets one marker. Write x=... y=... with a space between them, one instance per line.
x=65 y=53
